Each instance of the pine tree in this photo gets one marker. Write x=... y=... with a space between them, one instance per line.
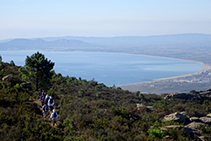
x=37 y=70
x=0 y=59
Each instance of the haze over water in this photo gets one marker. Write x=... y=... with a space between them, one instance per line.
x=109 y=68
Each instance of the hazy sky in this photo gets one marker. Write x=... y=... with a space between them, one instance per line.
x=44 y=18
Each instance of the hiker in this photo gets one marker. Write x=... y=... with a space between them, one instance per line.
x=54 y=117
x=46 y=99
x=42 y=98
x=44 y=92
x=51 y=103
x=40 y=93
x=45 y=110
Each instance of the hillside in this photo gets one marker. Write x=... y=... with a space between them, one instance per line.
x=89 y=110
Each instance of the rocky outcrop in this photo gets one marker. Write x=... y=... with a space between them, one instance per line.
x=187 y=129
x=140 y=105
x=164 y=128
x=194 y=95
x=194 y=119
x=7 y=77
x=178 y=117
x=209 y=115
x=206 y=93
x=185 y=96
x=206 y=119
x=194 y=125
x=204 y=138
x=26 y=84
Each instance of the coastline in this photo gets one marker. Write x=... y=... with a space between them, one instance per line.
x=205 y=68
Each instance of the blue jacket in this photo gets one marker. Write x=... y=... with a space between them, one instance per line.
x=43 y=107
x=47 y=98
x=42 y=96
x=53 y=117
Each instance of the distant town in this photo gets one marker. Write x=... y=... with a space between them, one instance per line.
x=199 y=77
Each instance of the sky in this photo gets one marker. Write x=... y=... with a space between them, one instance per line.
x=102 y=18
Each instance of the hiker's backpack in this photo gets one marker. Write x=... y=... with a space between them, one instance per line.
x=46 y=99
x=54 y=115
x=46 y=108
x=51 y=100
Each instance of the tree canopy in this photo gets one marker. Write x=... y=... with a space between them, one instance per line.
x=37 y=70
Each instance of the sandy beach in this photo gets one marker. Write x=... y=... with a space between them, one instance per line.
x=136 y=85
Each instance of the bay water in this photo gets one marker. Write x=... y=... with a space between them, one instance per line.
x=109 y=68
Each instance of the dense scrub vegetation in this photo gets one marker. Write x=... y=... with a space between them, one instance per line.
x=89 y=110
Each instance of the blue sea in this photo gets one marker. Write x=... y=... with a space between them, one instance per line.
x=109 y=68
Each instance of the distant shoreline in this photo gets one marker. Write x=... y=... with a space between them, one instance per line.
x=205 y=68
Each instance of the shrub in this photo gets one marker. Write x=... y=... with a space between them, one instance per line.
x=59 y=124
x=48 y=136
x=137 y=93
x=176 y=134
x=161 y=105
x=81 y=92
x=23 y=97
x=6 y=119
x=18 y=86
x=155 y=133
x=98 y=94
x=61 y=89
x=12 y=63
x=68 y=131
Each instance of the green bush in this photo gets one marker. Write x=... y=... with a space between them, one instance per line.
x=10 y=120
x=81 y=92
x=137 y=93
x=155 y=133
x=98 y=94
x=161 y=105
x=61 y=89
x=48 y=136
x=176 y=134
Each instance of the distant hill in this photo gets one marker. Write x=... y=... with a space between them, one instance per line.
x=124 y=43
x=183 y=46
x=31 y=44
x=138 y=41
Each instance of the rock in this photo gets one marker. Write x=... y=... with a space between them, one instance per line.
x=26 y=84
x=148 y=108
x=204 y=138
x=182 y=96
x=194 y=125
x=206 y=93
x=140 y=105
x=208 y=90
x=5 y=78
x=187 y=129
x=179 y=117
x=209 y=115
x=192 y=131
x=167 y=137
x=205 y=119
x=164 y=128
x=196 y=119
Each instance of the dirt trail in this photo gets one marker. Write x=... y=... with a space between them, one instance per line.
x=38 y=102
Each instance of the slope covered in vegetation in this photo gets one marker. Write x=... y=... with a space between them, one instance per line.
x=89 y=110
